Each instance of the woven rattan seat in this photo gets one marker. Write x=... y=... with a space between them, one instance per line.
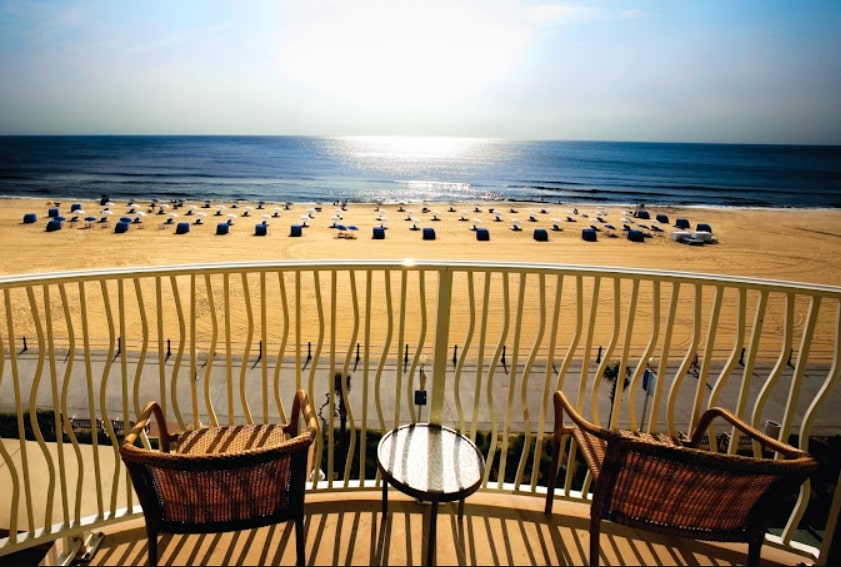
x=657 y=483
x=216 y=479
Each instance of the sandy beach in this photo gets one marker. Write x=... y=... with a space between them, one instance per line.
x=801 y=245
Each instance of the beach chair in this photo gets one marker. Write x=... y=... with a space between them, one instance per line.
x=220 y=479
x=429 y=233
x=635 y=235
x=657 y=483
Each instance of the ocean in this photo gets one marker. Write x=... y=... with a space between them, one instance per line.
x=406 y=169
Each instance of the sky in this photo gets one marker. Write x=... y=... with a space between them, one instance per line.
x=733 y=71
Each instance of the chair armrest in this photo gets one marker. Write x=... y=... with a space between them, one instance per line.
x=151 y=409
x=302 y=408
x=766 y=441
x=563 y=405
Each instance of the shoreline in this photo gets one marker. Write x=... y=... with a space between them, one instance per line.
x=534 y=202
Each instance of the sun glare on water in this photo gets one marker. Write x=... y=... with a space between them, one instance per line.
x=397 y=52
x=411 y=148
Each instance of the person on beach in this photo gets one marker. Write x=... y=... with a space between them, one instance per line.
x=694 y=369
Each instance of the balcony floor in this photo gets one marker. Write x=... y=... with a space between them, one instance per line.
x=497 y=529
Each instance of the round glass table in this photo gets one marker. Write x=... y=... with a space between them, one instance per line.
x=431 y=463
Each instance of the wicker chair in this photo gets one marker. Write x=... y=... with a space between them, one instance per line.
x=657 y=483
x=216 y=479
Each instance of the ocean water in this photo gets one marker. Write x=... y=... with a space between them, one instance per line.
x=396 y=169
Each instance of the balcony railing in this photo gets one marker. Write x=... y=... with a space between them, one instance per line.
x=490 y=343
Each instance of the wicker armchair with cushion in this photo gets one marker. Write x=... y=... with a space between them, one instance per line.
x=217 y=479
x=657 y=483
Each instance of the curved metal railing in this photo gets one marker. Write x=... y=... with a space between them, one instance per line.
x=229 y=343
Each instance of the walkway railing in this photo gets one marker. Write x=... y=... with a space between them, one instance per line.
x=488 y=343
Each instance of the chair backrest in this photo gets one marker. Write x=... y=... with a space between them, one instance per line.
x=235 y=490
x=222 y=478
x=686 y=492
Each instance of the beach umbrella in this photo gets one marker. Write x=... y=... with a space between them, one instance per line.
x=305 y=218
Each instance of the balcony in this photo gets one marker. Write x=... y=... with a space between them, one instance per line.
x=230 y=343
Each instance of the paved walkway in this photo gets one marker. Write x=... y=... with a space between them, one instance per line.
x=508 y=391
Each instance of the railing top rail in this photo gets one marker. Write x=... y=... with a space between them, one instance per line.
x=411 y=263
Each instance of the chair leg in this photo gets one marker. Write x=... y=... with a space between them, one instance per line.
x=754 y=549
x=595 y=532
x=153 y=547
x=299 y=542
x=553 y=478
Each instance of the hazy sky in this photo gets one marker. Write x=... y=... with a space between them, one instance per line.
x=763 y=71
